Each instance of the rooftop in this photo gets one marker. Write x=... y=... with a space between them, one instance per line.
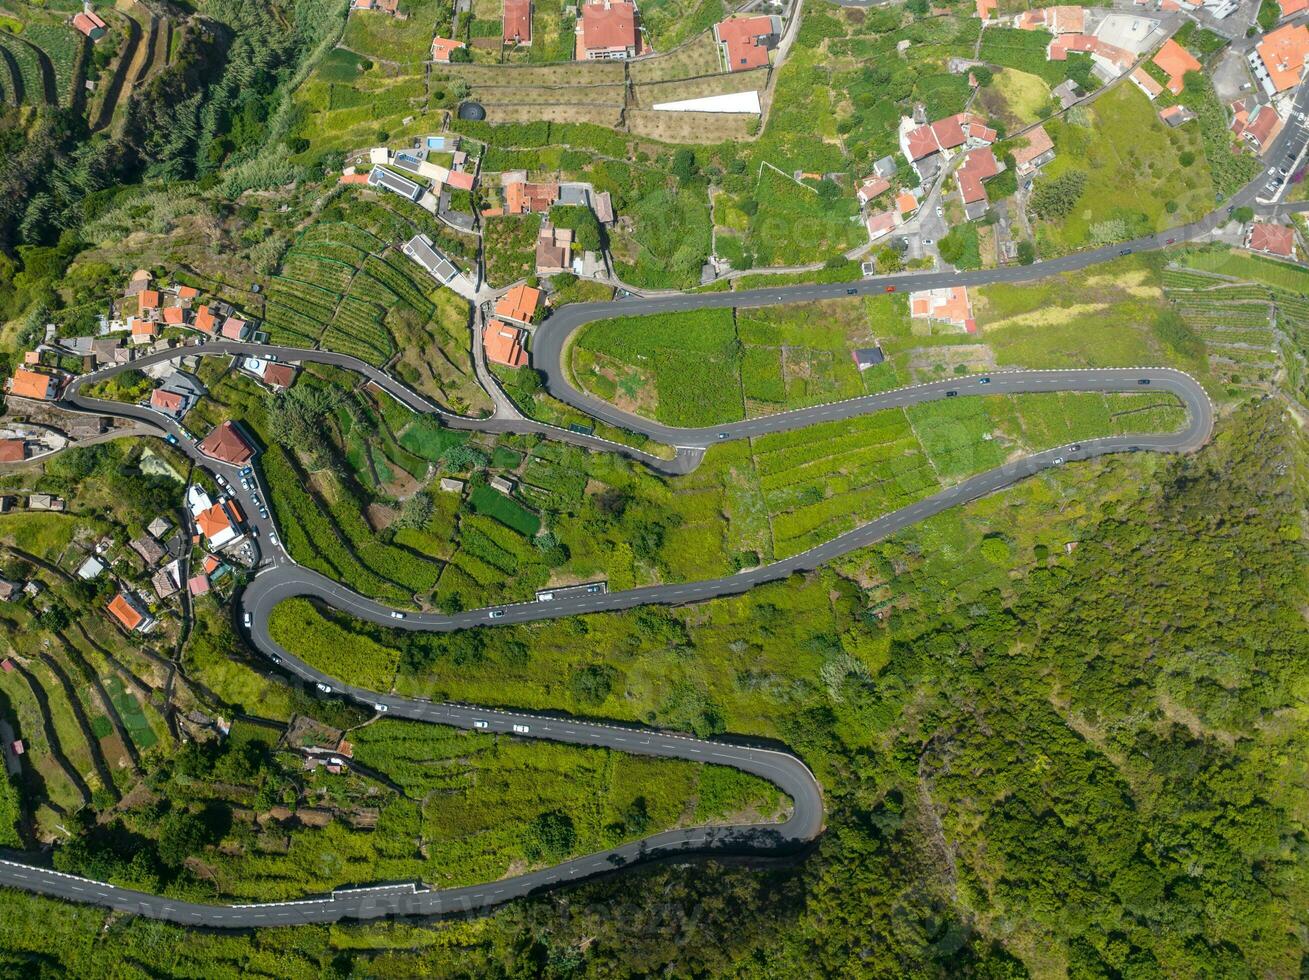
x=745 y=41
x=520 y=303
x=442 y=47
x=125 y=610
x=516 y=22
x=504 y=343
x=1273 y=239
x=225 y=442
x=1176 y=61
x=608 y=25
x=33 y=384
x=1283 y=52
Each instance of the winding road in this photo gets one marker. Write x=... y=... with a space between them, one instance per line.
x=280 y=577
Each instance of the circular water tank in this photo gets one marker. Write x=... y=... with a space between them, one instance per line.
x=472 y=110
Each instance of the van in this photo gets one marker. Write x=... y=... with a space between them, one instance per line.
x=545 y=597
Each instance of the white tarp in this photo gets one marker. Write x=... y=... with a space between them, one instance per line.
x=736 y=102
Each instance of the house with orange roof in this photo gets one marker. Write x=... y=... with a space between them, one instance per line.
x=174 y=316
x=90 y=24
x=606 y=31
x=744 y=42
x=130 y=614
x=520 y=303
x=1142 y=80
x=872 y=187
x=187 y=292
x=216 y=525
x=1258 y=128
x=148 y=299
x=906 y=203
x=1109 y=57
x=1284 y=52
x=1292 y=7
x=234 y=328
x=1056 y=20
x=516 y=23
x=881 y=223
x=205 y=321
x=443 y=47
x=141 y=331
x=986 y=10
x=948 y=304
x=522 y=197
x=352 y=179
x=13 y=450
x=1175 y=61
x=554 y=249
x=37 y=385
x=1276 y=240
x=503 y=343
x=1036 y=154
x=226 y=442
x=171 y=402
x=979 y=166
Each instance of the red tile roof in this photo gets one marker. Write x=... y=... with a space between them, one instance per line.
x=205 y=321
x=149 y=299
x=187 y=292
x=442 y=46
x=167 y=401
x=88 y=23
x=872 y=187
x=279 y=375
x=460 y=180
x=12 y=450
x=213 y=522
x=1273 y=239
x=174 y=315
x=32 y=384
x=520 y=303
x=226 y=442
x=125 y=612
x=1264 y=127
x=745 y=40
x=198 y=584
x=1176 y=61
x=1038 y=142
x=233 y=328
x=504 y=344
x=1283 y=52
x=516 y=22
x=978 y=165
x=608 y=25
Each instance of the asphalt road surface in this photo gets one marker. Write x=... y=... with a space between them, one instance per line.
x=281 y=578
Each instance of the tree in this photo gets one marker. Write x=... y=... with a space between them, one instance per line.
x=1243 y=214
x=461 y=56
x=1026 y=252
x=684 y=166
x=888 y=260
x=1053 y=199
x=551 y=836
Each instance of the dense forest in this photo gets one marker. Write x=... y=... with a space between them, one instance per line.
x=1092 y=771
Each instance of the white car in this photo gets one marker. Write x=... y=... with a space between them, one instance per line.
x=521 y=729
x=246 y=619
x=496 y=613
x=379 y=707
x=326 y=689
x=397 y=615
x=481 y=724
x=1058 y=461
x=545 y=597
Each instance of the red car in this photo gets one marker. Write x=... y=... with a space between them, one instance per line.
x=890 y=289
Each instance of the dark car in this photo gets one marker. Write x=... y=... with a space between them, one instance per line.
x=952 y=394
x=851 y=292
x=1124 y=251
x=1143 y=381
x=983 y=381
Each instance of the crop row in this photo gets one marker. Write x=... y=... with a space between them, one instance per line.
x=345 y=233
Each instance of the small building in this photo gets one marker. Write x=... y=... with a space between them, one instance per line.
x=279 y=376
x=516 y=23
x=216 y=525
x=948 y=304
x=37 y=385
x=90 y=569
x=9 y=588
x=1283 y=53
x=504 y=485
x=165 y=581
x=451 y=485
x=606 y=31
x=205 y=320
x=234 y=328
x=1176 y=115
x=174 y=316
x=906 y=203
x=1142 y=80
x=1056 y=20
x=45 y=501
x=1276 y=240
x=1067 y=93
x=1036 y=154
x=227 y=443
x=1258 y=127
x=885 y=167
x=522 y=197
x=150 y=550
x=443 y=47
x=421 y=250
x=504 y=343
x=129 y=613
x=169 y=402
x=881 y=223
x=159 y=526
x=90 y=24
x=744 y=42
x=13 y=450
x=393 y=182
x=978 y=167
x=520 y=303
x=1175 y=61
x=198 y=585
x=866 y=357
x=554 y=249
x=872 y=187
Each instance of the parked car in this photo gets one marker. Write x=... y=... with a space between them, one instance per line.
x=246 y=620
